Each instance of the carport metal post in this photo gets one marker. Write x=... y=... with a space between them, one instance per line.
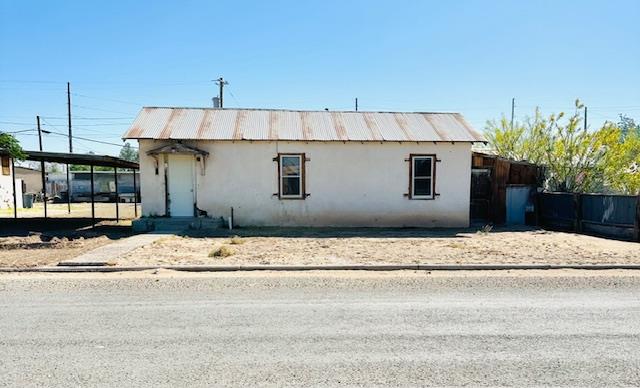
x=93 y=210
x=68 y=191
x=135 y=195
x=44 y=188
x=42 y=172
x=115 y=177
x=15 y=199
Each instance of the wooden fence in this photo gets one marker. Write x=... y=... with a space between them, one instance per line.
x=616 y=216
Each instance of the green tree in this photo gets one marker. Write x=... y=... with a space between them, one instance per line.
x=129 y=153
x=622 y=161
x=628 y=126
x=575 y=159
x=526 y=140
x=10 y=144
x=80 y=167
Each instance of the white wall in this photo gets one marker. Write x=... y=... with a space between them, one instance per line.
x=6 y=191
x=351 y=184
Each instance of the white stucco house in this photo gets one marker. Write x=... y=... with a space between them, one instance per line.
x=6 y=184
x=306 y=168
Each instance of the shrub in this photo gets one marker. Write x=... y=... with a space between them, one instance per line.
x=237 y=240
x=222 y=251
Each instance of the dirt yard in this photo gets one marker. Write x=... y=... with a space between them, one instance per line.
x=49 y=248
x=384 y=246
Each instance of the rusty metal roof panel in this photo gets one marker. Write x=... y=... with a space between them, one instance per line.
x=319 y=126
x=286 y=125
x=149 y=123
x=264 y=124
x=223 y=124
x=390 y=130
x=356 y=127
x=457 y=129
x=183 y=124
x=254 y=126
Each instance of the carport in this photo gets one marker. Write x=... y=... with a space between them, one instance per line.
x=77 y=159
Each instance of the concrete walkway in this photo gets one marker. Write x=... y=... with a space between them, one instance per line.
x=109 y=254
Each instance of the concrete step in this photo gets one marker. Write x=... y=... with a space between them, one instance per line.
x=175 y=224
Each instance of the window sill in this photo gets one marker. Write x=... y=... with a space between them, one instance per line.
x=291 y=198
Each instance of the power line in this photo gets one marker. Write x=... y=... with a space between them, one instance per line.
x=108 y=99
x=232 y=95
x=14 y=122
x=91 y=140
x=91 y=118
x=98 y=109
x=101 y=125
x=29 y=82
x=20 y=131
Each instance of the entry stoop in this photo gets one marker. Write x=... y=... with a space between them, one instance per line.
x=175 y=224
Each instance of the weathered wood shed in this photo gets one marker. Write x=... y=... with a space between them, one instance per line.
x=491 y=176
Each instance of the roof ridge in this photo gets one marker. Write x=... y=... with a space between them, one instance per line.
x=297 y=110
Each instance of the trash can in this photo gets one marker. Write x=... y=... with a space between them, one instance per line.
x=27 y=201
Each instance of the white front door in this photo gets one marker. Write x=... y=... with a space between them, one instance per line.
x=180 y=180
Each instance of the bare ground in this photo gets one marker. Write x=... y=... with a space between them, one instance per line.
x=365 y=246
x=49 y=248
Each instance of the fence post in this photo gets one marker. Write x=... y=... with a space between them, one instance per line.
x=538 y=209
x=636 y=224
x=577 y=206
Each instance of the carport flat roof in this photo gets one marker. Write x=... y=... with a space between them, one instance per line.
x=83 y=159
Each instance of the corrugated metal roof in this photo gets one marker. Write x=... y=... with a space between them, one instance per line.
x=272 y=124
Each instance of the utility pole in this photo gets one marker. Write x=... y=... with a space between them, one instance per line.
x=69 y=116
x=585 y=117
x=70 y=146
x=221 y=82
x=42 y=172
x=513 y=110
x=39 y=132
x=356 y=104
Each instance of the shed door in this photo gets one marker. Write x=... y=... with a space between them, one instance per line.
x=180 y=181
x=517 y=201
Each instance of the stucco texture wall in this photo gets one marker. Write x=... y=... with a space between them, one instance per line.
x=6 y=191
x=350 y=184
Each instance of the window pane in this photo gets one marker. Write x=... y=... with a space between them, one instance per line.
x=422 y=167
x=290 y=186
x=290 y=165
x=422 y=186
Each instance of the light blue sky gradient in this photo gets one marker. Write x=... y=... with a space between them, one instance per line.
x=466 y=56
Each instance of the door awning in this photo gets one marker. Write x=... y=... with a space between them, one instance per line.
x=177 y=148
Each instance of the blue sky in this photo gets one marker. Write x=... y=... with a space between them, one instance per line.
x=466 y=56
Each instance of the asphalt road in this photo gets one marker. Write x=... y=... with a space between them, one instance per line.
x=320 y=329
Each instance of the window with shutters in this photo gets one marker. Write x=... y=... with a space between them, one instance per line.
x=422 y=172
x=291 y=176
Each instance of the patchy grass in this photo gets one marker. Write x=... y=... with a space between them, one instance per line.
x=486 y=229
x=222 y=251
x=237 y=240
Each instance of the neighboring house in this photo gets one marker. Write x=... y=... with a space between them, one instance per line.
x=31 y=179
x=6 y=185
x=306 y=168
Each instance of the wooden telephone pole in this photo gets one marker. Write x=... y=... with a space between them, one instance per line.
x=221 y=82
